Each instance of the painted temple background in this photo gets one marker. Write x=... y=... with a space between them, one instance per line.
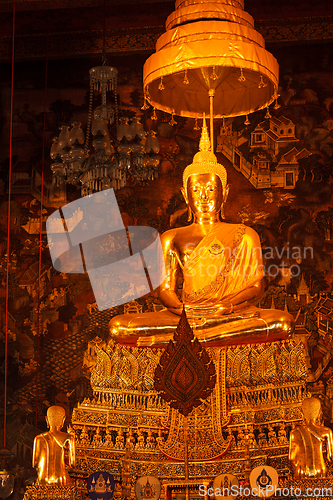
x=280 y=171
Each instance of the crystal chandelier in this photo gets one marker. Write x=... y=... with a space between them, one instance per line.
x=6 y=477
x=106 y=167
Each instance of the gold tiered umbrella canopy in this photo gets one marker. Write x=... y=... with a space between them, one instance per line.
x=210 y=49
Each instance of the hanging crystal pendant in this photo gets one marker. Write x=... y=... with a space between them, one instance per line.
x=63 y=140
x=103 y=78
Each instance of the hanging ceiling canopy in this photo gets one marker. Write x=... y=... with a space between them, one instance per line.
x=210 y=48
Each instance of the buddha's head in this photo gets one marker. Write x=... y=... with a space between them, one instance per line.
x=55 y=416
x=205 y=186
x=311 y=409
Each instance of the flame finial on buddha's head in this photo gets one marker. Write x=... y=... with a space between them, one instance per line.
x=205 y=162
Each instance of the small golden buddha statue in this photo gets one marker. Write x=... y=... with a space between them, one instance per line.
x=221 y=266
x=262 y=438
x=241 y=440
x=120 y=439
x=108 y=443
x=49 y=450
x=306 y=442
x=251 y=437
x=141 y=440
x=272 y=438
x=130 y=439
x=282 y=434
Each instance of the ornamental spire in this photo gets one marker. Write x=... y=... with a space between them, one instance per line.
x=204 y=144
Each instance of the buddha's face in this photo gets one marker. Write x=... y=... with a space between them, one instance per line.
x=204 y=194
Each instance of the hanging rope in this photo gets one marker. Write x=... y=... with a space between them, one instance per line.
x=8 y=226
x=104 y=16
x=41 y=233
x=211 y=94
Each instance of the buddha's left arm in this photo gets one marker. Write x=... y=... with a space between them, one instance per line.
x=36 y=452
x=72 y=453
x=330 y=444
x=167 y=290
x=293 y=446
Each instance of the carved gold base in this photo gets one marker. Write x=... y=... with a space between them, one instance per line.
x=47 y=492
x=316 y=487
x=184 y=489
x=256 y=400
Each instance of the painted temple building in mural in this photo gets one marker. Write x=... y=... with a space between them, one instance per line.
x=272 y=147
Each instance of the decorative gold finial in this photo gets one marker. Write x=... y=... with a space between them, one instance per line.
x=205 y=162
x=204 y=144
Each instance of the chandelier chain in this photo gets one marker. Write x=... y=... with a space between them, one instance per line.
x=91 y=99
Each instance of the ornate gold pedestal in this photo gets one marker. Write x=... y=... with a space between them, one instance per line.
x=184 y=489
x=46 y=492
x=255 y=404
x=320 y=487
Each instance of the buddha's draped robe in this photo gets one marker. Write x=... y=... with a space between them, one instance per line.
x=49 y=459
x=223 y=264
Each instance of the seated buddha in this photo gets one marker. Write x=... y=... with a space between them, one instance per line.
x=221 y=267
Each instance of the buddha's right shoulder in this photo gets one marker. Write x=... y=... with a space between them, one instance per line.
x=170 y=236
x=41 y=437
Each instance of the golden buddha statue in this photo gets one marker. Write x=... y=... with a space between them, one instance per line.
x=306 y=442
x=221 y=266
x=49 y=450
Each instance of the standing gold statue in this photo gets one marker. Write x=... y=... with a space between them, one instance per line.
x=221 y=266
x=306 y=442
x=49 y=450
